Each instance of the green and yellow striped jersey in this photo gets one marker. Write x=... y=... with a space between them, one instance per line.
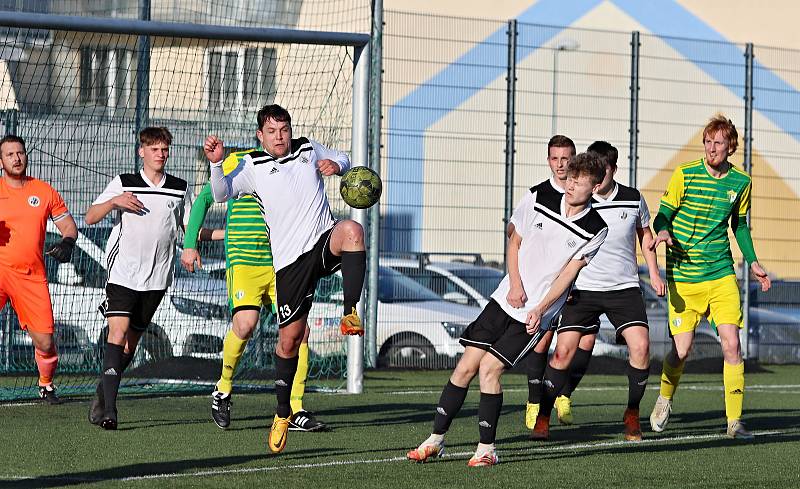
x=701 y=207
x=246 y=235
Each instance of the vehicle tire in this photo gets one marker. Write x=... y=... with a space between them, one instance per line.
x=407 y=351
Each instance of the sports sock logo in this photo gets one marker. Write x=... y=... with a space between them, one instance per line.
x=281 y=383
x=644 y=382
x=737 y=391
x=548 y=384
x=484 y=424
x=441 y=411
x=534 y=381
x=110 y=371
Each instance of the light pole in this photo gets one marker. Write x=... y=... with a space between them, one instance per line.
x=565 y=44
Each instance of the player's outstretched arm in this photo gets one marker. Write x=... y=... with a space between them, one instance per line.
x=560 y=286
x=516 y=296
x=330 y=161
x=645 y=241
x=127 y=202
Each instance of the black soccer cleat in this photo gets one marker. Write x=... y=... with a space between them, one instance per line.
x=96 y=409
x=305 y=421
x=109 y=421
x=47 y=393
x=221 y=409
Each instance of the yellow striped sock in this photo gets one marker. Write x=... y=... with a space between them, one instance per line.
x=670 y=377
x=299 y=382
x=232 y=349
x=733 y=378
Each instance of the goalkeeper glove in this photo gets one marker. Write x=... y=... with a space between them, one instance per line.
x=62 y=251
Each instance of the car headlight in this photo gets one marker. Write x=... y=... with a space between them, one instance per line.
x=454 y=329
x=200 y=309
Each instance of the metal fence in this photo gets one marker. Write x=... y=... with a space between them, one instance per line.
x=469 y=105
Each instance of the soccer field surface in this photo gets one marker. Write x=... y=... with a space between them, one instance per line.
x=172 y=442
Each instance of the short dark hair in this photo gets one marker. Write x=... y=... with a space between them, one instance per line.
x=589 y=164
x=559 y=141
x=153 y=135
x=274 y=112
x=12 y=138
x=606 y=151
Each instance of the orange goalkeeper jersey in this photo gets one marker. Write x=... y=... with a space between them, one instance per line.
x=23 y=224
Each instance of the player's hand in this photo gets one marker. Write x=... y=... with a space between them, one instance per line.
x=189 y=257
x=328 y=167
x=533 y=321
x=761 y=276
x=658 y=284
x=62 y=251
x=516 y=297
x=663 y=236
x=214 y=149
x=128 y=202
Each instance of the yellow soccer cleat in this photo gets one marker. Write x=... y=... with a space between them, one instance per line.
x=564 y=410
x=351 y=324
x=277 y=434
x=531 y=412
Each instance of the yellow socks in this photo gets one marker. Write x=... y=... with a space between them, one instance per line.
x=733 y=378
x=670 y=376
x=299 y=382
x=232 y=349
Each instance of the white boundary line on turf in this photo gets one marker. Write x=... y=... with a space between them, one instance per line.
x=336 y=463
x=748 y=388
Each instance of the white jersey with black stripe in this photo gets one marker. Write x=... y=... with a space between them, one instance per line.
x=615 y=266
x=290 y=191
x=549 y=241
x=140 y=252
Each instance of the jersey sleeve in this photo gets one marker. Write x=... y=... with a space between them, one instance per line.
x=188 y=200
x=234 y=184
x=58 y=209
x=113 y=189
x=523 y=215
x=590 y=249
x=325 y=153
x=673 y=196
x=197 y=215
x=744 y=201
x=643 y=219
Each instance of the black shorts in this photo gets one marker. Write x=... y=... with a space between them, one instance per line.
x=295 y=284
x=139 y=305
x=623 y=308
x=500 y=334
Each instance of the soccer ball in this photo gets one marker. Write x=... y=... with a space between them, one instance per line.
x=360 y=187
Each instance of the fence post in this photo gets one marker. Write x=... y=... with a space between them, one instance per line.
x=373 y=251
x=633 y=149
x=744 y=334
x=511 y=91
x=142 y=82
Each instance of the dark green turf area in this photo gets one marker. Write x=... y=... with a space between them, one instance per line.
x=171 y=441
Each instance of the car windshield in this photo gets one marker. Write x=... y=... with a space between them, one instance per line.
x=393 y=286
x=483 y=279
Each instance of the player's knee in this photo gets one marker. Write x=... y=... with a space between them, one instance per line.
x=464 y=373
x=639 y=350
x=561 y=357
x=289 y=346
x=352 y=231
x=490 y=370
x=682 y=351
x=44 y=344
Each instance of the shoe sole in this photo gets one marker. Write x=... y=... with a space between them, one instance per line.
x=633 y=438
x=220 y=425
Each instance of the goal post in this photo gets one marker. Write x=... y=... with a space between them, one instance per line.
x=79 y=89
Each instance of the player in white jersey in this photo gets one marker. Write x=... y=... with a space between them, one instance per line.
x=553 y=236
x=148 y=208
x=307 y=244
x=608 y=285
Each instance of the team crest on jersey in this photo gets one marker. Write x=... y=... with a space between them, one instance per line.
x=171 y=204
x=34 y=201
x=731 y=196
x=676 y=322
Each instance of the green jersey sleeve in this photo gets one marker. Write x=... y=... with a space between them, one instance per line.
x=204 y=200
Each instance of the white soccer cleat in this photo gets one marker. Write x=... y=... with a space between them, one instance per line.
x=660 y=415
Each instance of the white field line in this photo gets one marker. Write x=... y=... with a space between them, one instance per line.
x=772 y=389
x=338 y=463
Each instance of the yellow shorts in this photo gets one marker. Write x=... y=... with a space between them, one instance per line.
x=250 y=287
x=718 y=299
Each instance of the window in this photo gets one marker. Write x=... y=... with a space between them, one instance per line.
x=105 y=76
x=241 y=78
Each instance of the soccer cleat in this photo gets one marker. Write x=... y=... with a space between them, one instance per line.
x=433 y=447
x=109 y=421
x=531 y=411
x=564 y=410
x=47 y=393
x=737 y=430
x=351 y=324
x=305 y=421
x=541 y=430
x=633 y=429
x=486 y=459
x=96 y=409
x=277 y=434
x=660 y=415
x=221 y=408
